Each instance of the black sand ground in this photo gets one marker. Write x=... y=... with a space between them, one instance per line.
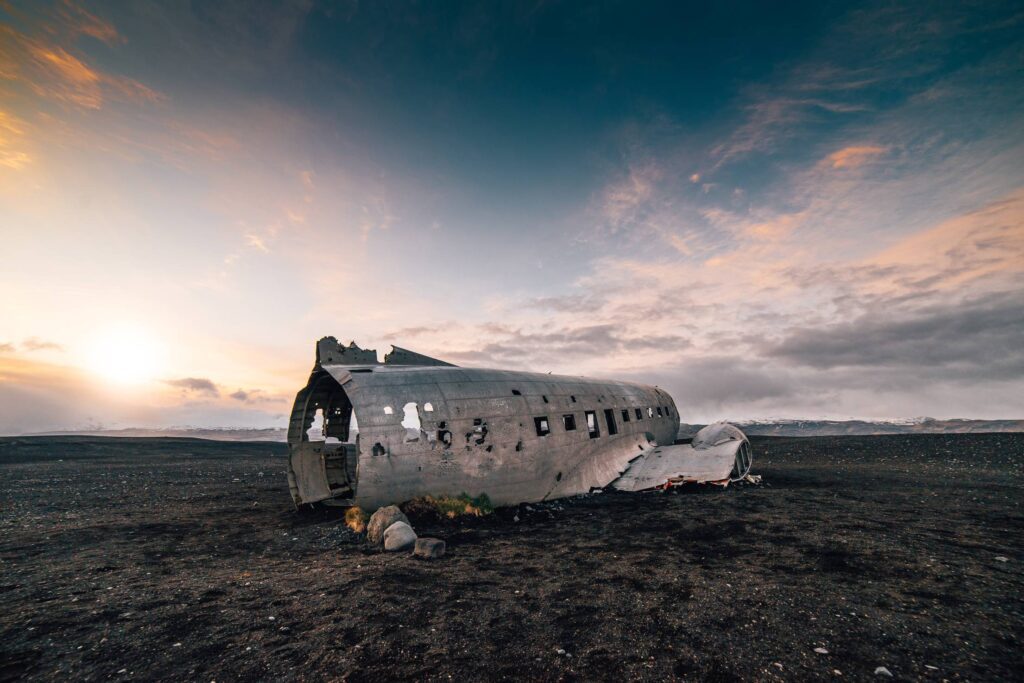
x=183 y=560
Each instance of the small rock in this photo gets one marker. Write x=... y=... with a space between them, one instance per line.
x=882 y=671
x=821 y=650
x=381 y=520
x=429 y=548
x=932 y=668
x=399 y=536
x=560 y=652
x=1002 y=558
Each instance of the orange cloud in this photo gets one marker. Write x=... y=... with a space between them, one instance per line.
x=965 y=249
x=80 y=21
x=775 y=229
x=12 y=133
x=69 y=79
x=854 y=156
x=757 y=228
x=52 y=72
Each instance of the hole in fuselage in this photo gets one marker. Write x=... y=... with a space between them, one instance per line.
x=316 y=430
x=411 y=421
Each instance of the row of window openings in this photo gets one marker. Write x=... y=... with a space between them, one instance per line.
x=411 y=418
x=543 y=427
x=411 y=413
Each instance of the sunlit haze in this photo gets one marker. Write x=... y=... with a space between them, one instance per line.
x=770 y=210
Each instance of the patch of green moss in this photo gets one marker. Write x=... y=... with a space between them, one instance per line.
x=451 y=506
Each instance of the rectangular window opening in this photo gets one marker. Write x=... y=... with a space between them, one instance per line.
x=639 y=413
x=516 y=392
x=659 y=411
x=609 y=418
x=625 y=414
x=569 y=422
x=592 y=427
x=541 y=423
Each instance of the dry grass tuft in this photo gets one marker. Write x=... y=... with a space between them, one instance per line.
x=356 y=519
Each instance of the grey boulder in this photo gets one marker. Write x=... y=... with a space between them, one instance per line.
x=429 y=548
x=399 y=536
x=381 y=520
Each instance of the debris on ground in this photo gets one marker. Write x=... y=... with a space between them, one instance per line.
x=429 y=548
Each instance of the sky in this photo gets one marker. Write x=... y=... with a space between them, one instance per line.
x=771 y=210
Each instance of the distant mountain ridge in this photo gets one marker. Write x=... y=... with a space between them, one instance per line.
x=920 y=425
x=213 y=434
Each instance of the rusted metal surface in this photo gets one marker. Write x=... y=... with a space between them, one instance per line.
x=426 y=427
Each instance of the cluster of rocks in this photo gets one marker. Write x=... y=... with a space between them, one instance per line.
x=390 y=526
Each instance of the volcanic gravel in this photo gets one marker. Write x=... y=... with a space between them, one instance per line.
x=180 y=559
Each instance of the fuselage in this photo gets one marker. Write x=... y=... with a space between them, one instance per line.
x=514 y=436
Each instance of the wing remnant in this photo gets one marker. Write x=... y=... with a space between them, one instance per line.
x=719 y=453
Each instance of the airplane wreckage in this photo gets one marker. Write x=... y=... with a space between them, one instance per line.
x=364 y=433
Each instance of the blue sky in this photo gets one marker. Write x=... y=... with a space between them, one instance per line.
x=813 y=210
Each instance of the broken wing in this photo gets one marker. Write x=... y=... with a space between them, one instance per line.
x=719 y=453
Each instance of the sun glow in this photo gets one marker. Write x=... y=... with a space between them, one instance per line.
x=126 y=355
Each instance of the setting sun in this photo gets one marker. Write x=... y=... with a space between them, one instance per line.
x=125 y=354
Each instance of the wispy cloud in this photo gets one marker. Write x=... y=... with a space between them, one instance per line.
x=855 y=156
x=195 y=385
x=256 y=242
x=624 y=203
x=252 y=396
x=51 y=71
x=77 y=19
x=13 y=142
x=37 y=344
